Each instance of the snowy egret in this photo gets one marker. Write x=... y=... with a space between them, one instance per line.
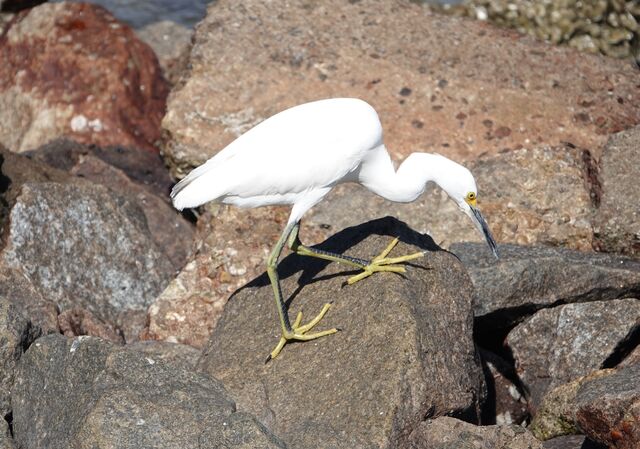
x=296 y=157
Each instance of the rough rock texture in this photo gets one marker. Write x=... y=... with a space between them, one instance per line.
x=121 y=398
x=460 y=88
x=405 y=351
x=527 y=278
x=572 y=442
x=448 y=433
x=560 y=344
x=556 y=415
x=182 y=355
x=16 y=333
x=542 y=195
x=72 y=69
x=608 y=408
x=171 y=42
x=78 y=321
x=139 y=176
x=93 y=248
x=232 y=249
x=141 y=167
x=6 y=442
x=171 y=233
x=617 y=223
x=18 y=289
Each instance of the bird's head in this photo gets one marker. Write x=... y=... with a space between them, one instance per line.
x=461 y=188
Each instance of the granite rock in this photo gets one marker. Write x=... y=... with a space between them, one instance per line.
x=460 y=87
x=617 y=221
x=405 y=350
x=528 y=278
x=6 y=441
x=171 y=42
x=93 y=248
x=446 y=433
x=560 y=344
x=16 y=333
x=122 y=398
x=71 y=69
x=608 y=408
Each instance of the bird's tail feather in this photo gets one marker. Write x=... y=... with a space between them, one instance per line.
x=195 y=189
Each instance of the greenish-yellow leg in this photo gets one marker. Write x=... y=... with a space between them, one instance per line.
x=378 y=263
x=289 y=332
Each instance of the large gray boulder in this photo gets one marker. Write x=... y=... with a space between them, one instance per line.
x=87 y=393
x=84 y=246
x=405 y=350
x=563 y=343
x=528 y=278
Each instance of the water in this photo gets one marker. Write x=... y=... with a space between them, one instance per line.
x=139 y=13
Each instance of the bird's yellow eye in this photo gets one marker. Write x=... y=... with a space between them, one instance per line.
x=471 y=198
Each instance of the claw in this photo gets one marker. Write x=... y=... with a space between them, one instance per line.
x=299 y=332
x=382 y=263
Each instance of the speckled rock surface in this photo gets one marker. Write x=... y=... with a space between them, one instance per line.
x=84 y=246
x=232 y=246
x=72 y=69
x=560 y=344
x=606 y=26
x=122 y=398
x=572 y=442
x=527 y=278
x=540 y=196
x=605 y=406
x=20 y=291
x=16 y=333
x=397 y=358
x=6 y=441
x=556 y=415
x=441 y=84
x=171 y=42
x=171 y=233
x=617 y=223
x=446 y=433
x=174 y=353
x=608 y=408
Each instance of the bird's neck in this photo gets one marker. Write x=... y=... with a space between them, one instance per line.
x=408 y=182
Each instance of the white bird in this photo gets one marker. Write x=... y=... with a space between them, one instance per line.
x=296 y=157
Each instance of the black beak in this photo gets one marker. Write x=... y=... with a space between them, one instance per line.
x=481 y=224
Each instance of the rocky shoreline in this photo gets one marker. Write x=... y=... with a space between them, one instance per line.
x=609 y=27
x=126 y=324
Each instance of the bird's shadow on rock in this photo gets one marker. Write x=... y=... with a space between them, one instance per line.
x=339 y=243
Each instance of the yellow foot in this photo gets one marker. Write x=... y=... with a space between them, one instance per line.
x=300 y=332
x=382 y=263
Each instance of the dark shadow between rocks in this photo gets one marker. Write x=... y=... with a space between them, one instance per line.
x=624 y=348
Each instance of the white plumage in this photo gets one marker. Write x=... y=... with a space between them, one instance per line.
x=298 y=155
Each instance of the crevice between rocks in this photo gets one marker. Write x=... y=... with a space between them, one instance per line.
x=9 y=419
x=623 y=348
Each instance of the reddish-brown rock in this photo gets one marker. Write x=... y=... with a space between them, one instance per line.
x=72 y=69
x=440 y=83
x=78 y=321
